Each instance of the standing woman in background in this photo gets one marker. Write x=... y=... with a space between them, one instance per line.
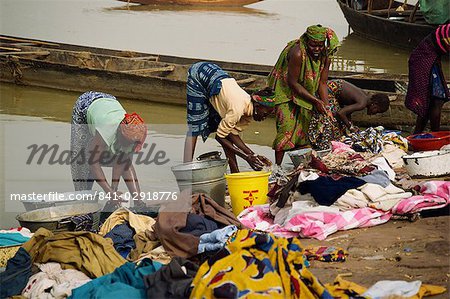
x=427 y=87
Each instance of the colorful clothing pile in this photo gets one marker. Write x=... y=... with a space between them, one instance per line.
x=88 y=252
x=18 y=270
x=126 y=281
x=324 y=128
x=395 y=139
x=348 y=163
x=14 y=236
x=171 y=227
x=312 y=224
x=433 y=195
x=53 y=282
x=172 y=280
x=139 y=223
x=326 y=190
x=344 y=289
x=256 y=264
x=369 y=140
x=326 y=254
x=372 y=195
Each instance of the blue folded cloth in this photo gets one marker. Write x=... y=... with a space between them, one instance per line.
x=12 y=239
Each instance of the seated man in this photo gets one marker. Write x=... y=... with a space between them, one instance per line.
x=344 y=98
x=216 y=103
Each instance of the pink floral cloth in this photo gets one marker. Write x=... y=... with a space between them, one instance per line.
x=321 y=224
x=339 y=147
x=316 y=225
x=434 y=195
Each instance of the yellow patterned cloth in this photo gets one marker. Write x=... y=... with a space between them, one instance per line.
x=345 y=289
x=257 y=265
x=6 y=253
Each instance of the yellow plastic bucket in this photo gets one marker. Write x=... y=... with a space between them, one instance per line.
x=247 y=189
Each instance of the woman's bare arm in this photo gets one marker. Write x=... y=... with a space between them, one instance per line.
x=294 y=67
x=98 y=152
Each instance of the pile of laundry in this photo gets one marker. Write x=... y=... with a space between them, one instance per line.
x=239 y=263
x=346 y=189
x=196 y=248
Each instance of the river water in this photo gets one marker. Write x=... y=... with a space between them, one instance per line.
x=252 y=34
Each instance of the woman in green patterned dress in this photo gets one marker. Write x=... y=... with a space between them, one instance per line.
x=299 y=79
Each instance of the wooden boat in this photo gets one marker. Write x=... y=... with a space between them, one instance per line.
x=388 y=22
x=194 y=2
x=191 y=8
x=157 y=78
x=137 y=77
x=371 y=81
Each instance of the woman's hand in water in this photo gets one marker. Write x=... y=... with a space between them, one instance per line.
x=254 y=162
x=114 y=201
x=264 y=160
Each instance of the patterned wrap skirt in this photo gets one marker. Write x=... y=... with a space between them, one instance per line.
x=426 y=79
x=203 y=82
x=292 y=122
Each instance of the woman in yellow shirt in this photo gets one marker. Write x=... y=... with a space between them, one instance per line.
x=216 y=103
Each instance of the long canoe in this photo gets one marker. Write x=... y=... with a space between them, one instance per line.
x=136 y=77
x=194 y=2
x=156 y=78
x=388 y=22
x=395 y=83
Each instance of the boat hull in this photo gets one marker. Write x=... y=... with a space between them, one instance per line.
x=71 y=78
x=194 y=2
x=399 y=34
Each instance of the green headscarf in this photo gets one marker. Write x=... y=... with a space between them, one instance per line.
x=265 y=100
x=265 y=97
x=316 y=32
x=320 y=34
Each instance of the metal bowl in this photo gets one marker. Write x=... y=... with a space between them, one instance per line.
x=57 y=218
x=200 y=171
x=54 y=199
x=215 y=155
x=216 y=189
x=427 y=164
